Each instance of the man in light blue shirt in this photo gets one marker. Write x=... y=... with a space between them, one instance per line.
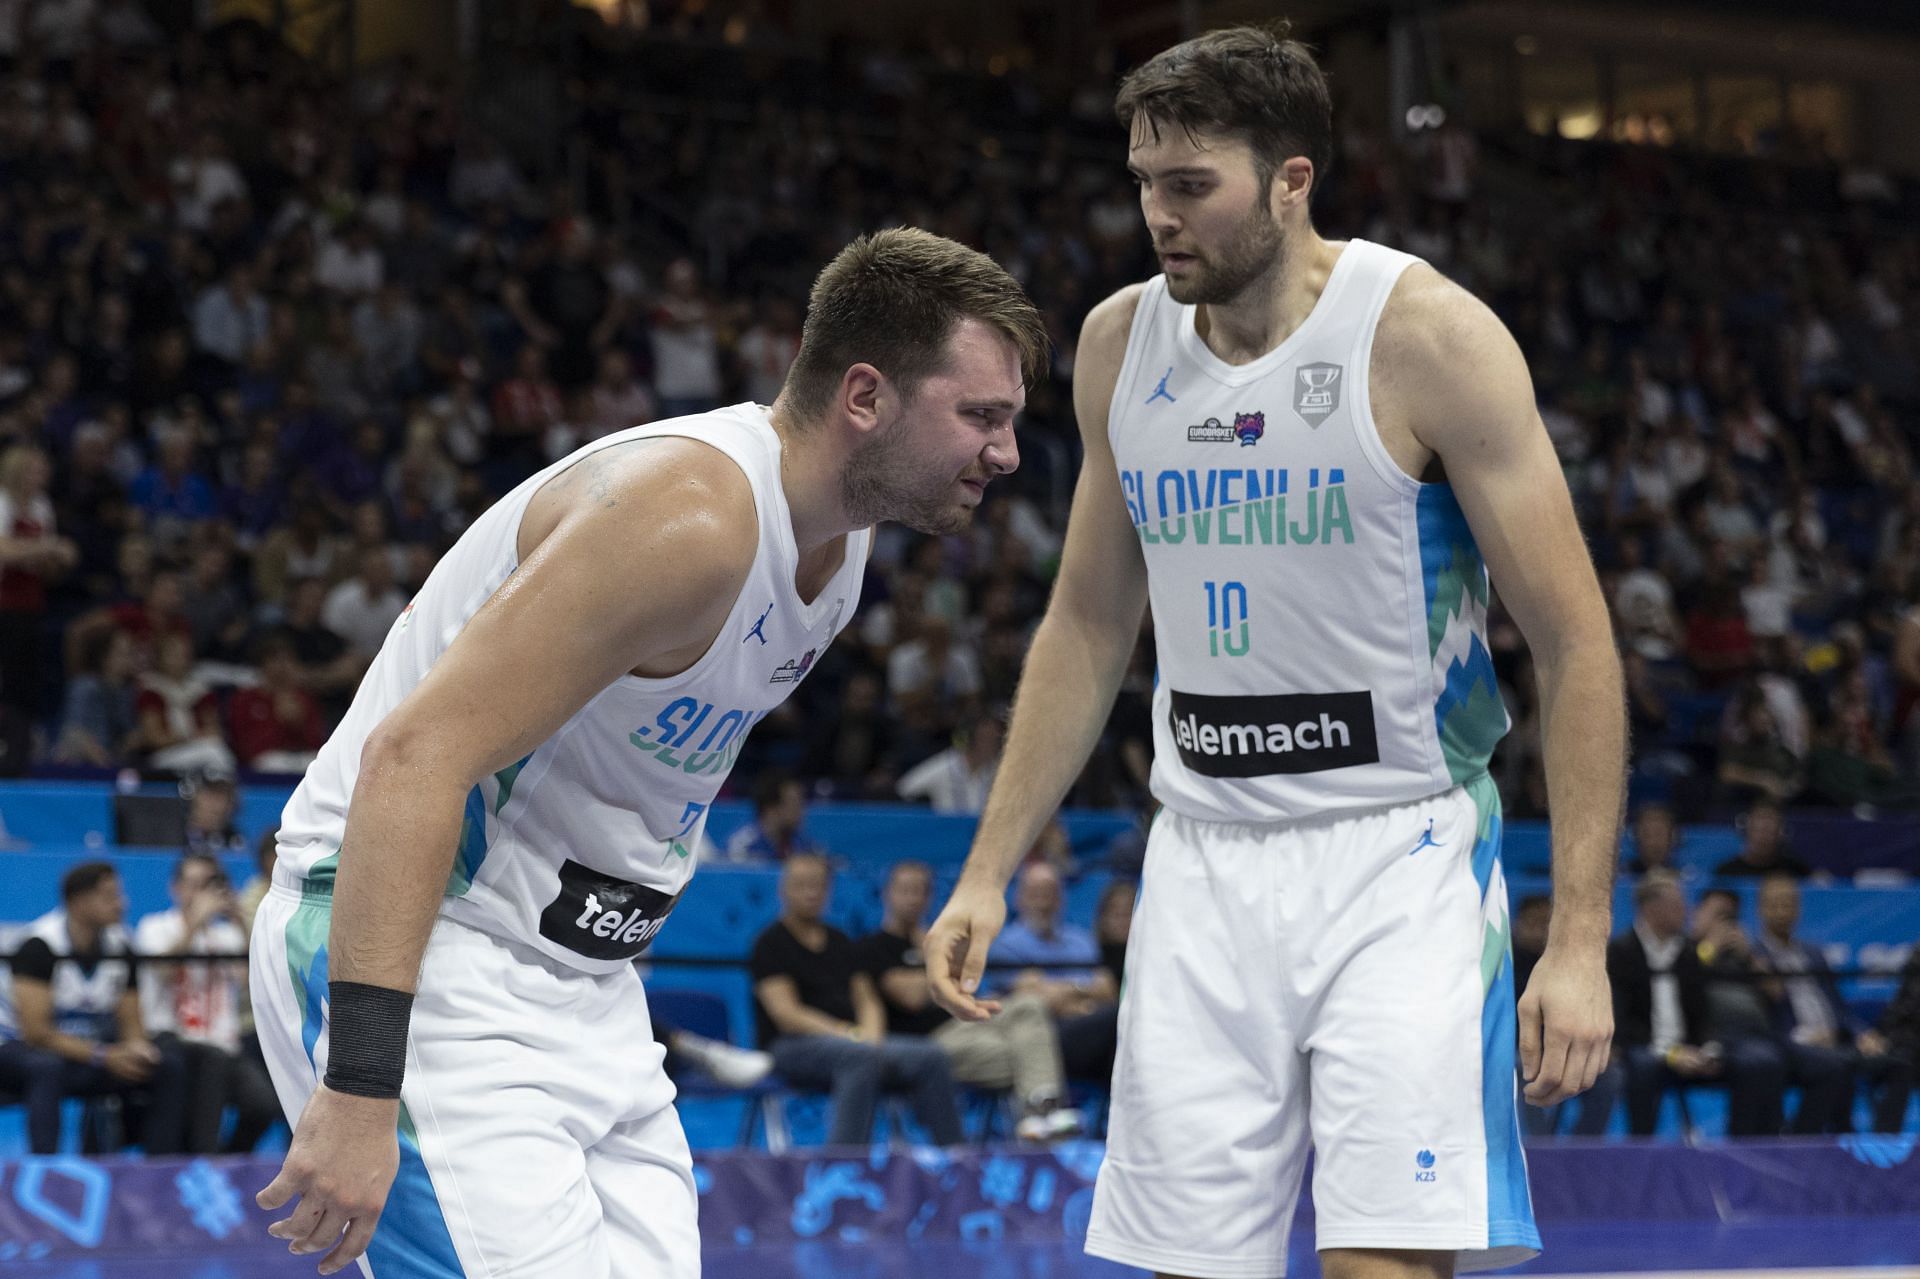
x=1039 y=937
x=1064 y=970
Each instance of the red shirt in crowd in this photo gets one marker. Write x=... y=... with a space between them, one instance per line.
x=258 y=728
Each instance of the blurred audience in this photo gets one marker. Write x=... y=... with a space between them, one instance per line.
x=820 y=1016
x=70 y=1022
x=194 y=1009
x=1017 y=1049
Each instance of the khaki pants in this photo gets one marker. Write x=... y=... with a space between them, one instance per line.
x=1017 y=1049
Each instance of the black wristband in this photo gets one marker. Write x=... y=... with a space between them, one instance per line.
x=366 y=1039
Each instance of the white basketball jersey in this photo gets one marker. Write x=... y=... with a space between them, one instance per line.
x=1320 y=616
x=581 y=849
x=86 y=1002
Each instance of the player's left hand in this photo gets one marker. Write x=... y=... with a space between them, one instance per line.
x=1566 y=1025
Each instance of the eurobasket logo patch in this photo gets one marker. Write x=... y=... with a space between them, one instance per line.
x=1246 y=430
x=1316 y=391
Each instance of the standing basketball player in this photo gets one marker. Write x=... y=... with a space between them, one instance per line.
x=443 y=972
x=1308 y=454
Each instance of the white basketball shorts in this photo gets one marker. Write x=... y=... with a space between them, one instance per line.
x=1343 y=984
x=538 y=1137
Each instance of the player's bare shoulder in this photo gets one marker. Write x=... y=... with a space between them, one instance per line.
x=1443 y=364
x=1097 y=357
x=671 y=486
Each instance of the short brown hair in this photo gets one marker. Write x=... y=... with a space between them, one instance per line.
x=892 y=299
x=1251 y=81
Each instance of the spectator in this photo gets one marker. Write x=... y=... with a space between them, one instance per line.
x=619 y=400
x=1719 y=646
x=958 y=778
x=767 y=349
x=230 y=318
x=276 y=724
x=328 y=668
x=525 y=406
x=1018 y=1048
x=779 y=813
x=31 y=555
x=855 y=753
x=350 y=263
x=362 y=609
x=203 y=179
x=1826 y=1044
x=70 y=1023
x=1756 y=761
x=820 y=1016
x=159 y=612
x=1644 y=604
x=932 y=670
x=1659 y=1013
x=686 y=344
x=171 y=493
x=212 y=804
x=97 y=726
x=179 y=719
x=1764 y=850
x=1062 y=964
x=216 y=614
x=1656 y=840
x=193 y=1009
x=1739 y=1007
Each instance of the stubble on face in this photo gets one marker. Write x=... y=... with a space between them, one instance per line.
x=885 y=480
x=1224 y=276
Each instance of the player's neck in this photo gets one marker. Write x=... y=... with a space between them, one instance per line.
x=1267 y=311
x=810 y=478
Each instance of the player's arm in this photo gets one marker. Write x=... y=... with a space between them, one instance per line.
x=643 y=561
x=645 y=564
x=780 y=997
x=869 y=1014
x=1073 y=670
x=906 y=987
x=1474 y=407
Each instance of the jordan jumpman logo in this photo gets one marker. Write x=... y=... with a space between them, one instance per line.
x=1160 y=392
x=756 y=631
x=1427 y=840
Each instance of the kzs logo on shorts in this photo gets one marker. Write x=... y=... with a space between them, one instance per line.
x=602 y=917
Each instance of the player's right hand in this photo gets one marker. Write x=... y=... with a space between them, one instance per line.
x=341 y=1164
x=956 y=951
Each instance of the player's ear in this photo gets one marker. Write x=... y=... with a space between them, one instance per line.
x=866 y=397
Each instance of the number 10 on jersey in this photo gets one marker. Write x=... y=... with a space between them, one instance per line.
x=1227 y=624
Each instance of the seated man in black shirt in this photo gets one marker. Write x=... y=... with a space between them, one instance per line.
x=1660 y=1017
x=1018 y=1048
x=70 y=1025
x=820 y=1016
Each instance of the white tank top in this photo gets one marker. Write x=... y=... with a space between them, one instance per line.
x=582 y=848
x=1320 y=616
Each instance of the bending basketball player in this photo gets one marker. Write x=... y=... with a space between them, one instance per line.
x=443 y=972
x=1308 y=454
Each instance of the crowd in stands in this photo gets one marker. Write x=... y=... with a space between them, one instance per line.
x=1701 y=1000
x=270 y=341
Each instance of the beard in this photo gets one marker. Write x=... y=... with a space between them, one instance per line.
x=883 y=481
x=1253 y=251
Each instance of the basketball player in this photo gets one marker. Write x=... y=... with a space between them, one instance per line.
x=442 y=972
x=1308 y=454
